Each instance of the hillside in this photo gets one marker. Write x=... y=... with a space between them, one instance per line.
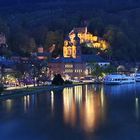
x=27 y=25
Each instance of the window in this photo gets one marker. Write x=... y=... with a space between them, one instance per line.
x=68 y=66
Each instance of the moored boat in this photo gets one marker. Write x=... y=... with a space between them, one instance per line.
x=137 y=77
x=116 y=79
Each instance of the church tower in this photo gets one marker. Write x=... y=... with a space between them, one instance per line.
x=77 y=45
x=72 y=50
x=67 y=48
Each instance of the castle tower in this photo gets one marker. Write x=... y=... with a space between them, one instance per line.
x=67 y=48
x=72 y=50
x=77 y=45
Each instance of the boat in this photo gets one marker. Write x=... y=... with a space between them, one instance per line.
x=117 y=79
x=128 y=79
x=87 y=79
x=137 y=77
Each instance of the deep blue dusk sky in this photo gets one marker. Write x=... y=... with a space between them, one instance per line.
x=12 y=2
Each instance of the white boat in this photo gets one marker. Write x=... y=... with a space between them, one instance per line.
x=128 y=79
x=87 y=79
x=137 y=77
x=114 y=79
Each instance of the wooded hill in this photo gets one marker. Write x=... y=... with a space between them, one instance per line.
x=28 y=25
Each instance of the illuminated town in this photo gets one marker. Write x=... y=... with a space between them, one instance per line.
x=69 y=70
x=86 y=37
x=71 y=65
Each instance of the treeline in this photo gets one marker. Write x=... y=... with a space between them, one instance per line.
x=27 y=28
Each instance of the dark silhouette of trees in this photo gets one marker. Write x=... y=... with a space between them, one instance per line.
x=58 y=80
x=28 y=26
x=1 y=88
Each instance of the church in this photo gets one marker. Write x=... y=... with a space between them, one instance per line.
x=73 y=64
x=72 y=50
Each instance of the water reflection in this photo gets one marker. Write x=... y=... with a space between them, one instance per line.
x=119 y=90
x=8 y=104
x=85 y=106
x=52 y=102
x=26 y=103
x=137 y=107
x=92 y=112
x=69 y=106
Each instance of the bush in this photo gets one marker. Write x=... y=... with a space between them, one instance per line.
x=58 y=80
x=68 y=82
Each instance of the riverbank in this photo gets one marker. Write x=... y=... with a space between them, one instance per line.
x=8 y=94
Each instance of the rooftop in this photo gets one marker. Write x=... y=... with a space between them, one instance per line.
x=79 y=30
x=83 y=59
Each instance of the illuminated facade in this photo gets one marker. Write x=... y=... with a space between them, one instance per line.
x=72 y=49
x=86 y=37
x=73 y=63
x=75 y=68
x=70 y=67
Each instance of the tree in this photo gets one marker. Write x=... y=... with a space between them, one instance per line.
x=58 y=80
x=110 y=69
x=32 y=45
x=96 y=70
x=4 y=27
x=54 y=37
x=1 y=88
x=100 y=71
x=96 y=26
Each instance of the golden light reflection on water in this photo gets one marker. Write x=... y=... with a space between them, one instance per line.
x=137 y=107
x=26 y=103
x=69 y=106
x=8 y=105
x=52 y=101
x=84 y=106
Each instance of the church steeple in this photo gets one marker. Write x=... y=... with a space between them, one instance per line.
x=76 y=39
x=77 y=45
x=72 y=49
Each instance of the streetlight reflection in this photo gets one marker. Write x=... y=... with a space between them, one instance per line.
x=26 y=103
x=137 y=107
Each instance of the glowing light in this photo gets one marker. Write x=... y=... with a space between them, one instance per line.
x=52 y=101
x=26 y=103
x=85 y=37
x=78 y=94
x=9 y=105
x=137 y=107
x=88 y=107
x=69 y=106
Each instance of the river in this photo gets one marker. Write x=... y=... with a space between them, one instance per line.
x=88 y=112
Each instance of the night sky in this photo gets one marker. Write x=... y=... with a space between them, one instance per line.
x=15 y=2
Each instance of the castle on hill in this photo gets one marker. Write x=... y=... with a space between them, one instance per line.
x=73 y=63
x=93 y=41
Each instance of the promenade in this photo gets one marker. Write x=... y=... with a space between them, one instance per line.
x=23 y=91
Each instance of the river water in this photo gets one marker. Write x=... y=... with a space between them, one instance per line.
x=88 y=112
